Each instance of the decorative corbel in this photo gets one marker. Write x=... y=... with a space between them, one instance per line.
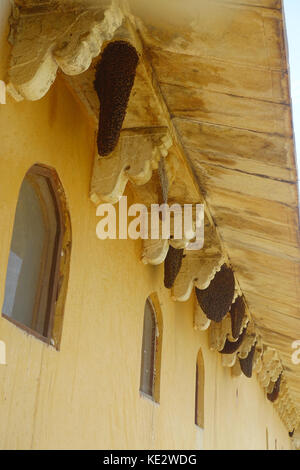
x=221 y=339
x=228 y=360
x=218 y=333
x=136 y=156
x=278 y=393
x=271 y=367
x=199 y=267
x=155 y=251
x=231 y=347
x=249 y=341
x=285 y=407
x=234 y=348
x=66 y=36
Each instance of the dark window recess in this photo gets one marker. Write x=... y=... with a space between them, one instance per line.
x=33 y=265
x=148 y=351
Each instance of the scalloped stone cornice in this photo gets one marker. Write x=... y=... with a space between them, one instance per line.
x=112 y=174
x=51 y=36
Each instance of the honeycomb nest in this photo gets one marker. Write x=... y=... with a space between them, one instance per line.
x=216 y=300
x=172 y=266
x=115 y=74
x=247 y=363
x=237 y=313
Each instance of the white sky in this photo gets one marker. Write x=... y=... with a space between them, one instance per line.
x=292 y=13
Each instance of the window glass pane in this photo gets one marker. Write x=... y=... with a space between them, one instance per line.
x=32 y=254
x=148 y=350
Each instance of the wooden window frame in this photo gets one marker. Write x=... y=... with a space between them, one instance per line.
x=55 y=187
x=156 y=351
x=199 y=394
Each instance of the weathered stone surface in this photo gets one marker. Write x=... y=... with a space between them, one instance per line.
x=111 y=174
x=48 y=36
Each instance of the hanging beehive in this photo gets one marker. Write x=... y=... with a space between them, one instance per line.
x=247 y=363
x=237 y=313
x=216 y=300
x=172 y=266
x=115 y=74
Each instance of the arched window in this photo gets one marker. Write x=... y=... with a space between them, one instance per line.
x=199 y=393
x=38 y=260
x=151 y=349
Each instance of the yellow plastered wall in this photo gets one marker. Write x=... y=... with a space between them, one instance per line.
x=87 y=394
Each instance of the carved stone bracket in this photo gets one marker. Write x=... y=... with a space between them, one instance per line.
x=155 y=251
x=271 y=368
x=285 y=407
x=219 y=332
x=67 y=36
x=249 y=341
x=270 y=371
x=266 y=363
x=136 y=156
x=199 y=267
x=221 y=340
x=228 y=360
